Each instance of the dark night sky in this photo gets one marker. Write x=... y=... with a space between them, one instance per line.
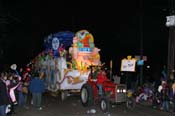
x=29 y=21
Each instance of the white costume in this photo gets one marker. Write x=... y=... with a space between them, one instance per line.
x=62 y=65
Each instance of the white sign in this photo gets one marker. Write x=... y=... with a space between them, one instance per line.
x=128 y=65
x=170 y=21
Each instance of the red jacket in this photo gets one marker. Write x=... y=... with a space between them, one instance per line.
x=101 y=78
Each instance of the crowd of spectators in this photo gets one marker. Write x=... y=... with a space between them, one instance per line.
x=19 y=88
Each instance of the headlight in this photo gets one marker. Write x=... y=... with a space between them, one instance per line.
x=118 y=90
x=124 y=90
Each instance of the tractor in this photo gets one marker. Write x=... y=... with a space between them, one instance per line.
x=112 y=93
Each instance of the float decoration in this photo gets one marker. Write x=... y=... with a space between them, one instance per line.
x=66 y=59
x=83 y=51
x=58 y=42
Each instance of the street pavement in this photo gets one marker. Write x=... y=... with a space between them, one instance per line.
x=53 y=106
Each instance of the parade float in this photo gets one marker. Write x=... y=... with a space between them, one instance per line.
x=65 y=61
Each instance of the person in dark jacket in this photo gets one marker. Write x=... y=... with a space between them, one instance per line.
x=165 y=96
x=4 y=98
x=37 y=88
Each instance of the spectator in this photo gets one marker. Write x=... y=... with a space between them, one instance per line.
x=12 y=86
x=173 y=92
x=4 y=98
x=165 y=96
x=25 y=87
x=37 y=88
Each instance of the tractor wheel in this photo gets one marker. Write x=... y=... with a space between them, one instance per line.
x=105 y=105
x=86 y=95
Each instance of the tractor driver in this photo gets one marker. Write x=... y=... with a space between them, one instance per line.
x=101 y=77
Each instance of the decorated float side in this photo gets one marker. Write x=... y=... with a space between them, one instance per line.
x=66 y=59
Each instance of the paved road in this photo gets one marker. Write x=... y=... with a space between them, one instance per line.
x=53 y=106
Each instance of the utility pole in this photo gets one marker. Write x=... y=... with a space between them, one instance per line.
x=141 y=40
x=171 y=40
